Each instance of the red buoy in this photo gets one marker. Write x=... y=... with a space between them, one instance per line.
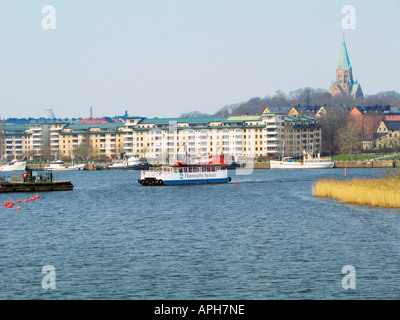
x=19 y=201
x=18 y=208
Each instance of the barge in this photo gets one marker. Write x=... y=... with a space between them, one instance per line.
x=33 y=180
x=7 y=187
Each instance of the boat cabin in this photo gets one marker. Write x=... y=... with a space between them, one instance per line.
x=37 y=175
x=186 y=169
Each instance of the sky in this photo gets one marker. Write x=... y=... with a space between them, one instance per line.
x=163 y=58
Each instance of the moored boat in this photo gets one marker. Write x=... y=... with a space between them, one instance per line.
x=308 y=162
x=129 y=162
x=59 y=165
x=220 y=160
x=184 y=174
x=15 y=165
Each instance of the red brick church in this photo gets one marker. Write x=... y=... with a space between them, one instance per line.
x=344 y=84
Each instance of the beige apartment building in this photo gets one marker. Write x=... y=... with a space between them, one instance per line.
x=99 y=141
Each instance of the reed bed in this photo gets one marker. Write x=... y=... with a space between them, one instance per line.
x=383 y=192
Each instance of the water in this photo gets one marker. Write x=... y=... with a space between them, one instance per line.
x=269 y=238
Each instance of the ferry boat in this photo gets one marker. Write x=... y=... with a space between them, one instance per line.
x=184 y=174
x=59 y=165
x=308 y=162
x=15 y=165
x=129 y=162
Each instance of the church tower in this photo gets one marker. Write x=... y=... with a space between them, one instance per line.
x=344 y=84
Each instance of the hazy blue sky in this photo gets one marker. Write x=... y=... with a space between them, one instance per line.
x=162 y=58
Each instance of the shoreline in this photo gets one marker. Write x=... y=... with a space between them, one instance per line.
x=266 y=164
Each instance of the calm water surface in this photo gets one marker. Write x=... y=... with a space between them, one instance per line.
x=269 y=238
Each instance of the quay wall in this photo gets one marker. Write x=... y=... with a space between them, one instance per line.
x=368 y=164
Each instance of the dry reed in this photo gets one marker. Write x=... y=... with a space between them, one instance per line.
x=383 y=192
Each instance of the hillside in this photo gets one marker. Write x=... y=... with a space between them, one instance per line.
x=304 y=96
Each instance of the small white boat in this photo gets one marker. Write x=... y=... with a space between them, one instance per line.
x=184 y=174
x=15 y=165
x=308 y=162
x=61 y=166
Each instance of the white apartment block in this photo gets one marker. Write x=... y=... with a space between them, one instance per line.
x=162 y=140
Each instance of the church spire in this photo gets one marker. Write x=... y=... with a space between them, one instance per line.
x=344 y=84
x=344 y=60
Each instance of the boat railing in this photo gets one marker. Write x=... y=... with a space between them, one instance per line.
x=318 y=160
x=151 y=174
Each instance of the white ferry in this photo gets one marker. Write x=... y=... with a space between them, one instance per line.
x=184 y=174
x=309 y=162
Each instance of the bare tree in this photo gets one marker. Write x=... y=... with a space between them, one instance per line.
x=333 y=122
x=350 y=138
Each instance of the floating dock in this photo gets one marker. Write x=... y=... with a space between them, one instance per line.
x=35 y=186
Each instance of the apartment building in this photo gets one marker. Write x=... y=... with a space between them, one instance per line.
x=2 y=139
x=100 y=140
x=161 y=140
x=300 y=134
x=15 y=141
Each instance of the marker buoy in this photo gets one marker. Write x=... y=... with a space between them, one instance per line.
x=236 y=184
x=26 y=200
x=19 y=201
x=345 y=172
x=18 y=208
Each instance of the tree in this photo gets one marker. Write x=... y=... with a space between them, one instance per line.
x=46 y=153
x=333 y=121
x=350 y=138
x=83 y=151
